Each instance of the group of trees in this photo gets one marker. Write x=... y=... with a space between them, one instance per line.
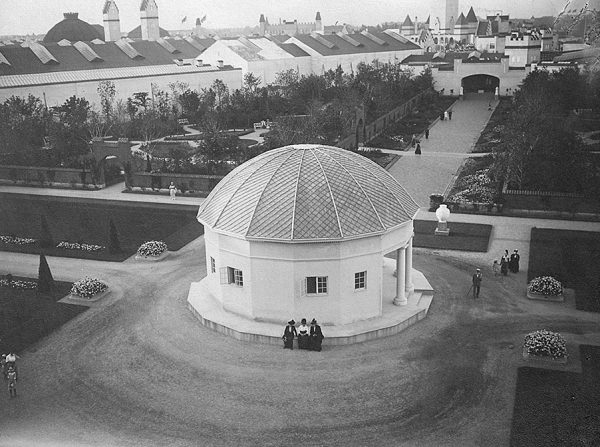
x=308 y=108
x=540 y=148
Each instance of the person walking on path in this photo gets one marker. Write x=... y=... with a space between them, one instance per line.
x=303 y=335
x=12 y=382
x=172 y=190
x=288 y=335
x=504 y=264
x=496 y=268
x=441 y=116
x=450 y=114
x=446 y=115
x=316 y=336
x=418 y=149
x=514 y=262
x=427 y=133
x=413 y=140
x=477 y=277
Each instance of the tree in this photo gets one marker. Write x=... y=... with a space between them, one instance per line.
x=114 y=245
x=107 y=92
x=69 y=134
x=45 y=279
x=23 y=126
x=46 y=240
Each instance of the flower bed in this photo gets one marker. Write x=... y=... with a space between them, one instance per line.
x=79 y=246
x=18 y=284
x=88 y=287
x=545 y=345
x=475 y=188
x=17 y=240
x=545 y=288
x=152 y=249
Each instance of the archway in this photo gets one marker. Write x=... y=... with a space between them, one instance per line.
x=480 y=83
x=112 y=169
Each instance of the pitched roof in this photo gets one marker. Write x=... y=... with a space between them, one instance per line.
x=107 y=5
x=471 y=17
x=136 y=33
x=461 y=20
x=24 y=61
x=341 y=46
x=407 y=21
x=487 y=28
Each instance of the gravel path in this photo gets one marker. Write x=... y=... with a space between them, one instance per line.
x=138 y=370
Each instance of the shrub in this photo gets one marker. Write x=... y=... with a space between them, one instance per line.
x=45 y=280
x=546 y=285
x=152 y=248
x=114 y=246
x=88 y=287
x=546 y=343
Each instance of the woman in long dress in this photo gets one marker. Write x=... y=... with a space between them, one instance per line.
x=303 y=336
x=172 y=190
x=288 y=335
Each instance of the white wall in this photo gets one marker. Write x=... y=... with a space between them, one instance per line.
x=56 y=94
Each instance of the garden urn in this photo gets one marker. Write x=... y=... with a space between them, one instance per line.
x=442 y=214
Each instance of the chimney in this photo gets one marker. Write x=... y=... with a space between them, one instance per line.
x=416 y=26
x=149 y=20
x=262 y=25
x=199 y=63
x=220 y=63
x=112 y=24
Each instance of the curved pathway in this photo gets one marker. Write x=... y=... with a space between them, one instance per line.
x=138 y=369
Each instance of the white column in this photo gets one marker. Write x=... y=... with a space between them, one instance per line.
x=408 y=264
x=400 y=299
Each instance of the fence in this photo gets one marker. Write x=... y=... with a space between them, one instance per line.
x=549 y=201
x=57 y=177
x=187 y=184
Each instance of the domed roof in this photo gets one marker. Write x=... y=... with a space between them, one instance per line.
x=307 y=192
x=72 y=28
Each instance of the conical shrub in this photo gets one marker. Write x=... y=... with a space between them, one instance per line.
x=114 y=246
x=45 y=279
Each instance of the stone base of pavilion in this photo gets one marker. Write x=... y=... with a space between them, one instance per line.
x=393 y=320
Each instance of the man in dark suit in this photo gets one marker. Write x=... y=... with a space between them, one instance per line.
x=477 y=277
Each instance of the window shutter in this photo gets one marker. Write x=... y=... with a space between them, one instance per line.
x=223 y=275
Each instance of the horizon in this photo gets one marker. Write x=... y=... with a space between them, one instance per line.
x=17 y=14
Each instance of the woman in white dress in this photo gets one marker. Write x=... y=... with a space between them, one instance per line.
x=172 y=190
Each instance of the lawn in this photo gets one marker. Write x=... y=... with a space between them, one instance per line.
x=463 y=236
x=572 y=257
x=87 y=220
x=558 y=408
x=26 y=315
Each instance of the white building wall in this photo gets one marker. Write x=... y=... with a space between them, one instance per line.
x=510 y=80
x=56 y=94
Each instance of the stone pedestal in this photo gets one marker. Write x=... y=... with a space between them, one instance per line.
x=442 y=229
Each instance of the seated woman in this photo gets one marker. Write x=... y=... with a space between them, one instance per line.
x=303 y=336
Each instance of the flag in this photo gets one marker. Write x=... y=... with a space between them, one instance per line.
x=184 y=19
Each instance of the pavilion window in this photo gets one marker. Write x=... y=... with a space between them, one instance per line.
x=360 y=280
x=230 y=275
x=316 y=285
x=213 y=266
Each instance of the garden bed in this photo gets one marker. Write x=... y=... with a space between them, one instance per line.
x=413 y=124
x=572 y=257
x=558 y=408
x=490 y=137
x=463 y=236
x=87 y=220
x=27 y=315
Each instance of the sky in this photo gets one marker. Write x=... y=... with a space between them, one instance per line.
x=38 y=16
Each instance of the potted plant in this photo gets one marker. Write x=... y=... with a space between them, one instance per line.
x=546 y=346
x=152 y=251
x=545 y=288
